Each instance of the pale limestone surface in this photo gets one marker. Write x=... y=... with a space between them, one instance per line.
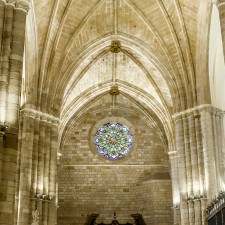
x=48 y=109
x=138 y=183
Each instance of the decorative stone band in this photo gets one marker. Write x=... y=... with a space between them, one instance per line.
x=19 y=4
x=196 y=111
x=40 y=115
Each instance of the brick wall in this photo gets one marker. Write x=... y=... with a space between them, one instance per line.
x=89 y=183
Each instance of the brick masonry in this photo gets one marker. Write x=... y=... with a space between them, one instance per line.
x=89 y=183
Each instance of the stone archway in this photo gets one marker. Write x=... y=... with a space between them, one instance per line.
x=139 y=183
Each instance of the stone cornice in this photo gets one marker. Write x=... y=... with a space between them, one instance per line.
x=196 y=111
x=40 y=115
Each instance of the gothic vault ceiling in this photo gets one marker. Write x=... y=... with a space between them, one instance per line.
x=68 y=46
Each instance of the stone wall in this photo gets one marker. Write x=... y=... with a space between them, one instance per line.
x=139 y=183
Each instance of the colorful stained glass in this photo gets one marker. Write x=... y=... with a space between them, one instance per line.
x=113 y=140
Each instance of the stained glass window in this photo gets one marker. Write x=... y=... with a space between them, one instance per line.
x=113 y=140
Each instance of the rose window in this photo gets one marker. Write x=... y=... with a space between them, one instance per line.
x=113 y=140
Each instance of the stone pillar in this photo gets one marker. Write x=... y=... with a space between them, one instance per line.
x=26 y=162
x=52 y=217
x=38 y=169
x=15 y=62
x=12 y=35
x=6 y=38
x=213 y=142
x=175 y=186
x=199 y=143
x=182 y=174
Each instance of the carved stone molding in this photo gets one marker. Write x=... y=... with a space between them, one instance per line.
x=39 y=115
x=28 y=114
x=11 y=2
x=19 y=4
x=23 y=5
x=35 y=217
x=115 y=47
x=196 y=112
x=114 y=90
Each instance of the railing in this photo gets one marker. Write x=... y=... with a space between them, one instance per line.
x=218 y=216
x=91 y=220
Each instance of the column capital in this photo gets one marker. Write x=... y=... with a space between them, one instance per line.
x=196 y=111
x=39 y=115
x=23 y=5
x=19 y=4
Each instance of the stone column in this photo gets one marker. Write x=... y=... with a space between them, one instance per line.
x=15 y=64
x=199 y=143
x=35 y=159
x=52 y=217
x=39 y=144
x=12 y=35
x=26 y=162
x=6 y=38
x=207 y=127
x=175 y=186
x=181 y=167
x=203 y=207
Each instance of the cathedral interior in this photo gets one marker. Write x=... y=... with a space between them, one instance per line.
x=112 y=111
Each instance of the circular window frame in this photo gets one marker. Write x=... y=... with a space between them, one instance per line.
x=121 y=120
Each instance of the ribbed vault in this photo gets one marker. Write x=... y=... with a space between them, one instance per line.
x=160 y=70
x=157 y=66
